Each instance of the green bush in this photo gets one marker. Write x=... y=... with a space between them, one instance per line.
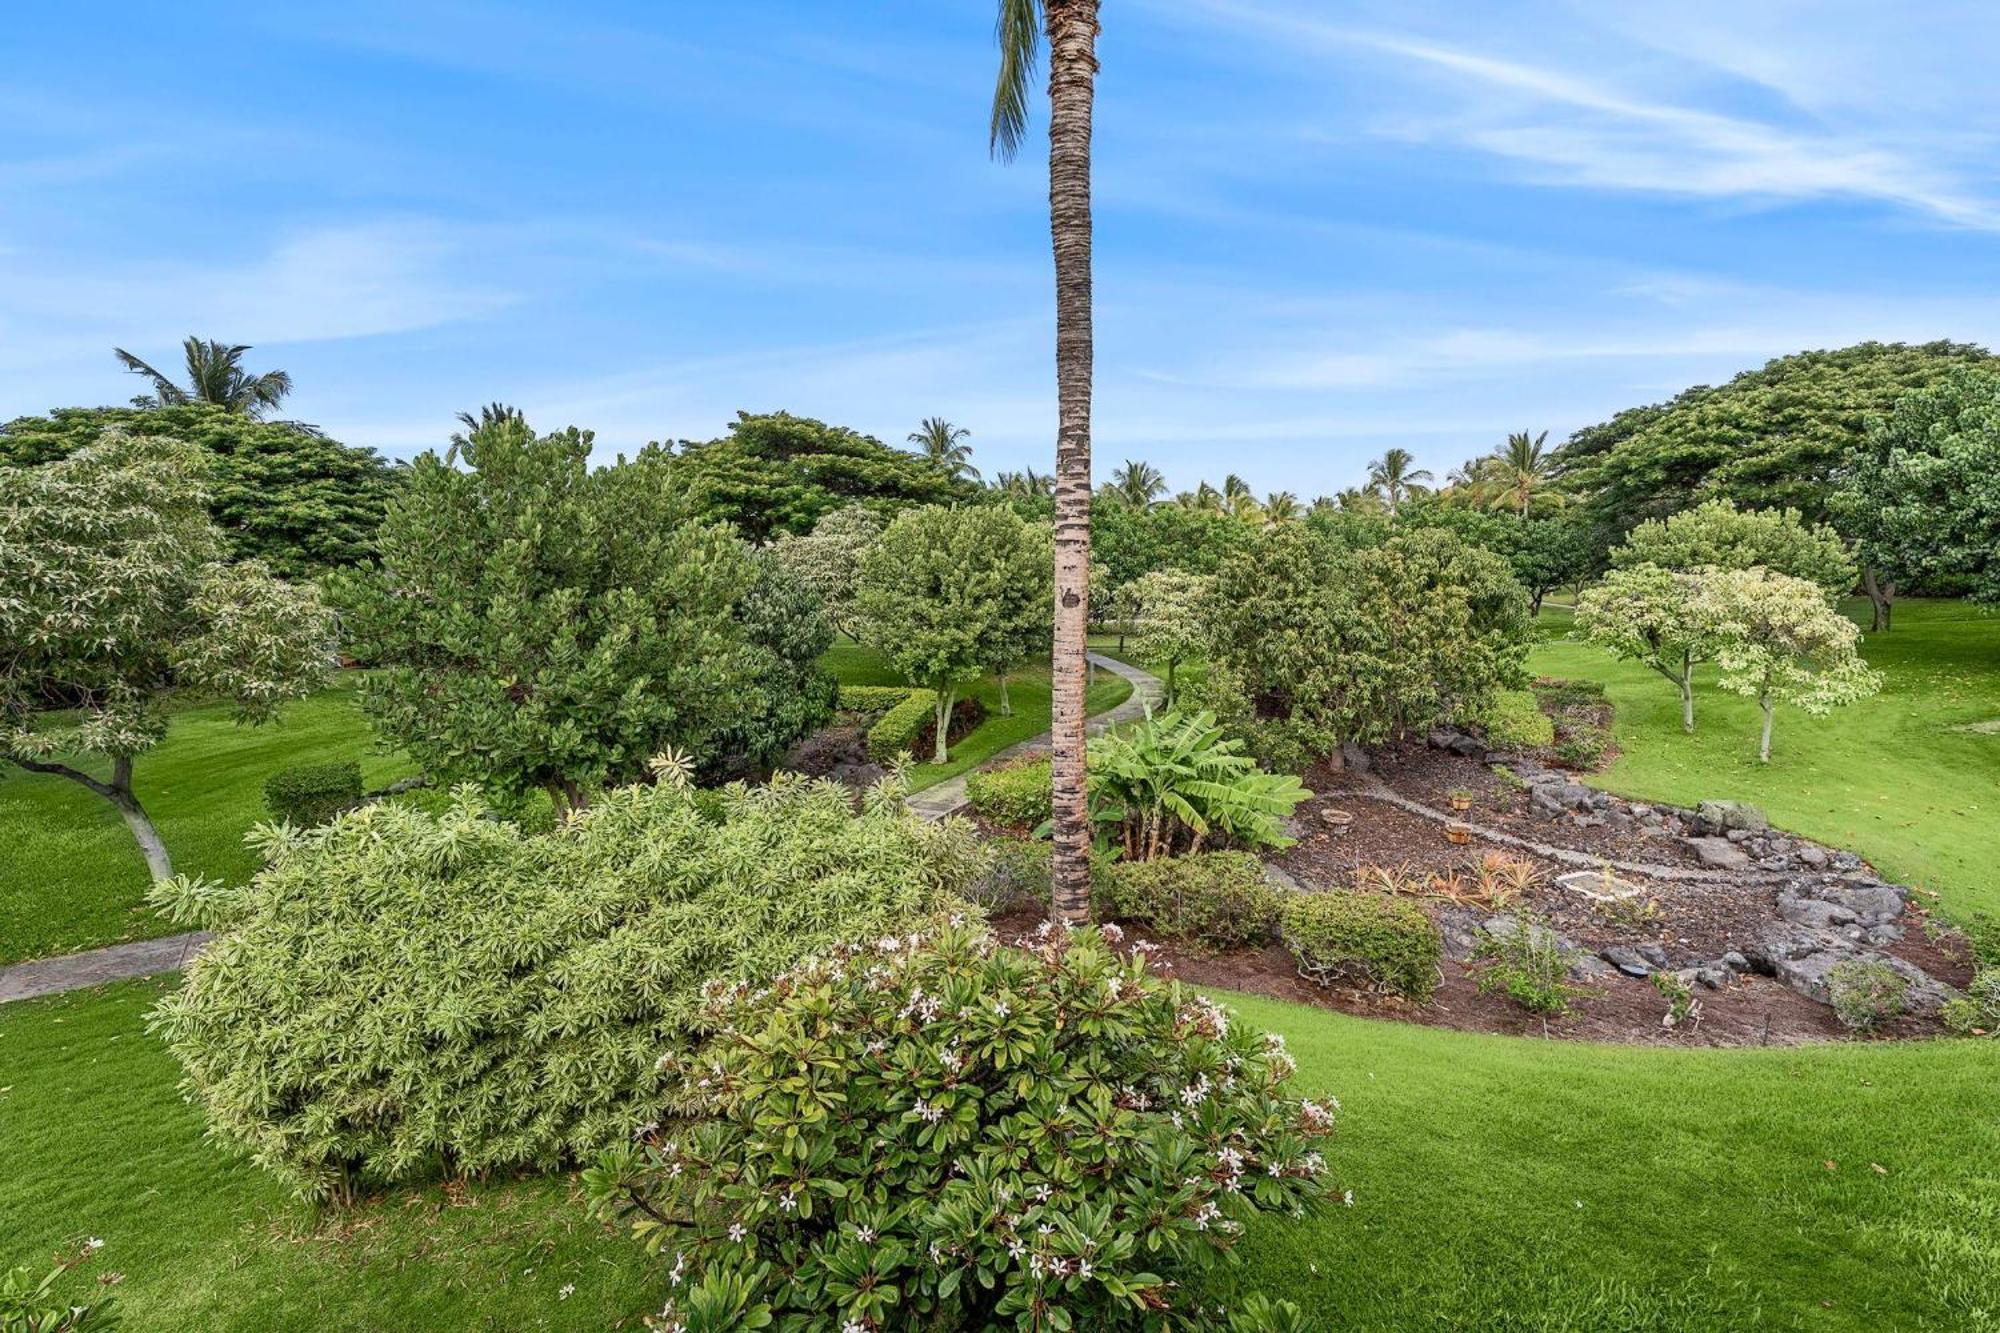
x=899 y=729
x=1866 y=995
x=943 y=1134
x=870 y=701
x=1570 y=693
x=1515 y=721
x=402 y=990
x=1217 y=899
x=1017 y=876
x=1582 y=747
x=1977 y=1012
x=307 y=795
x=1341 y=934
x=1176 y=783
x=1018 y=794
x=1529 y=965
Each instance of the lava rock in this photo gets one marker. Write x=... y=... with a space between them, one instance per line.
x=1626 y=960
x=1812 y=856
x=1733 y=815
x=1718 y=853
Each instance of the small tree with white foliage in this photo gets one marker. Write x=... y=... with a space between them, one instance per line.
x=1778 y=641
x=1655 y=617
x=1169 y=618
x=112 y=591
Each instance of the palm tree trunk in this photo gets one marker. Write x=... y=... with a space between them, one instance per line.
x=1072 y=34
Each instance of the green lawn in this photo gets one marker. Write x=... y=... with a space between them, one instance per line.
x=72 y=878
x=1499 y=1183
x=855 y=664
x=1895 y=777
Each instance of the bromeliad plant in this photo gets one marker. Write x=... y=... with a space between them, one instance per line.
x=1175 y=783
x=943 y=1133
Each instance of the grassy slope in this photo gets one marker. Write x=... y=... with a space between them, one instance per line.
x=855 y=664
x=1890 y=777
x=72 y=878
x=1498 y=1182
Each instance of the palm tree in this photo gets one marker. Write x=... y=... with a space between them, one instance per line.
x=1236 y=494
x=1392 y=477
x=1203 y=499
x=1027 y=483
x=215 y=375
x=493 y=414
x=1070 y=27
x=1360 y=500
x=1519 y=471
x=943 y=443
x=1137 y=484
x=1282 y=507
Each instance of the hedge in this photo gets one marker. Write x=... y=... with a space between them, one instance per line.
x=1515 y=721
x=1020 y=794
x=1341 y=934
x=1217 y=899
x=871 y=701
x=899 y=730
x=308 y=795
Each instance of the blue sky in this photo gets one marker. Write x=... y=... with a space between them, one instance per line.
x=1322 y=229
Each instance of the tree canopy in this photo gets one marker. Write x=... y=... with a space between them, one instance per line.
x=1718 y=534
x=544 y=625
x=1778 y=641
x=281 y=492
x=774 y=472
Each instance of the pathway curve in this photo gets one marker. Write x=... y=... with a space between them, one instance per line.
x=145 y=958
x=948 y=797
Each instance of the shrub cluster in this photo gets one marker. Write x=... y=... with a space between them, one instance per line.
x=899 y=728
x=1019 y=794
x=1529 y=965
x=307 y=795
x=1017 y=875
x=1342 y=935
x=1866 y=995
x=938 y=1132
x=870 y=701
x=1977 y=1012
x=1217 y=899
x=401 y=990
x=1514 y=720
x=1178 y=783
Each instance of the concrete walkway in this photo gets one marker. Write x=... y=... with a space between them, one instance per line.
x=120 y=962
x=948 y=797
x=145 y=958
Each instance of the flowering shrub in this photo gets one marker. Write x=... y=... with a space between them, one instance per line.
x=400 y=991
x=1017 y=794
x=1389 y=942
x=942 y=1133
x=1218 y=899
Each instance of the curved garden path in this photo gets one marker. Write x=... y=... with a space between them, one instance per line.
x=145 y=958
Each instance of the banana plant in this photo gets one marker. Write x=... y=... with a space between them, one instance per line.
x=1174 y=783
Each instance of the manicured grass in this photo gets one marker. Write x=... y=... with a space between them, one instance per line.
x=1895 y=777
x=1499 y=1183
x=72 y=878
x=855 y=664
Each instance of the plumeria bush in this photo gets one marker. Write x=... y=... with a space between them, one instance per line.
x=400 y=992
x=940 y=1132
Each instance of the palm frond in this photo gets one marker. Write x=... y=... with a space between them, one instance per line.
x=1018 y=30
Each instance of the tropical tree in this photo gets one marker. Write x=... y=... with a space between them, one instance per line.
x=1518 y=472
x=1203 y=499
x=1138 y=484
x=1282 y=507
x=1394 y=479
x=1358 y=500
x=944 y=444
x=1236 y=494
x=1778 y=641
x=1026 y=484
x=215 y=375
x=827 y=561
x=1656 y=617
x=1721 y=536
x=950 y=594
x=1070 y=28
x=1168 y=611
x=115 y=590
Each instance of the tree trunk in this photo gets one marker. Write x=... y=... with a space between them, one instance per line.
x=1535 y=603
x=1168 y=700
x=1881 y=596
x=1072 y=33
x=118 y=791
x=1006 y=706
x=1764 y=744
x=1686 y=683
x=943 y=726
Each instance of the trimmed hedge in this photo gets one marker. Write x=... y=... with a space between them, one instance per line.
x=1515 y=721
x=870 y=701
x=898 y=730
x=1341 y=934
x=308 y=795
x=1020 y=793
x=1217 y=899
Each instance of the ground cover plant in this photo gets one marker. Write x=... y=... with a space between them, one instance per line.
x=1904 y=778
x=1522 y=1216
x=946 y=1133
x=400 y=992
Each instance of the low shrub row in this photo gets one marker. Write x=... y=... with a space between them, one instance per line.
x=308 y=795
x=1514 y=720
x=868 y=702
x=1219 y=900
x=901 y=727
x=1342 y=935
x=1017 y=794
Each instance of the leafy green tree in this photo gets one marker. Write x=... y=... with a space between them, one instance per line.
x=1656 y=617
x=1924 y=498
x=1394 y=479
x=541 y=625
x=945 y=445
x=281 y=492
x=1719 y=534
x=827 y=560
x=1137 y=484
x=1558 y=551
x=1131 y=542
x=1778 y=641
x=1168 y=610
x=215 y=375
x=113 y=590
x=774 y=472
x=1332 y=643
x=947 y=593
